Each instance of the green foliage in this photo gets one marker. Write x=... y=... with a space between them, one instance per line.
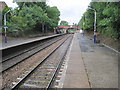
x=0 y=18
x=108 y=18
x=6 y=8
x=63 y=23
x=53 y=14
x=31 y=16
x=104 y=22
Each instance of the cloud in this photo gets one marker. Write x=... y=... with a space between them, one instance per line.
x=10 y=3
x=71 y=10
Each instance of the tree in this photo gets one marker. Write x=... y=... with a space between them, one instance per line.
x=108 y=14
x=53 y=15
x=34 y=16
x=63 y=23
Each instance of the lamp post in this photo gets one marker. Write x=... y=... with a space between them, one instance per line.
x=5 y=27
x=94 y=23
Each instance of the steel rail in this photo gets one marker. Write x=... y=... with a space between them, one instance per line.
x=22 y=52
x=3 y=70
x=16 y=86
x=58 y=68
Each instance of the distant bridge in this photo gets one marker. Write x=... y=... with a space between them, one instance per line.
x=68 y=26
x=65 y=28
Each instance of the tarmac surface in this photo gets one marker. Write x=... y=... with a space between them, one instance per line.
x=91 y=65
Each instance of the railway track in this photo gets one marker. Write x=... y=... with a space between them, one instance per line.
x=26 y=48
x=11 y=60
x=16 y=82
x=42 y=75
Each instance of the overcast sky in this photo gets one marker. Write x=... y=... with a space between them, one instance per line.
x=70 y=10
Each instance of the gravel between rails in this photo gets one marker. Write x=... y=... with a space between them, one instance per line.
x=17 y=71
x=28 y=48
x=13 y=61
x=43 y=75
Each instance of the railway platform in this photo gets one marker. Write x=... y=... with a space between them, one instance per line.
x=90 y=65
x=14 y=43
x=86 y=65
x=76 y=76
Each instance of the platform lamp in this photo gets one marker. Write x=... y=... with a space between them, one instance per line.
x=5 y=26
x=94 y=22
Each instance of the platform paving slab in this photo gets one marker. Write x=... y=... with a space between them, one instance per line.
x=76 y=76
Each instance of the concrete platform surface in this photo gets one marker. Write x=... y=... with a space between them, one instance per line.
x=76 y=76
x=101 y=63
x=90 y=65
x=20 y=42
